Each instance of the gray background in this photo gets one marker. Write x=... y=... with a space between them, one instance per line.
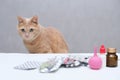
x=84 y=23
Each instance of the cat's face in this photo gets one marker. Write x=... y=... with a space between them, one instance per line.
x=28 y=27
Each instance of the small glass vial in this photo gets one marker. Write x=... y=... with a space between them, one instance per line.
x=111 y=57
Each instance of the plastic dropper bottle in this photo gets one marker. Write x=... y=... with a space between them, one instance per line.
x=95 y=62
x=102 y=49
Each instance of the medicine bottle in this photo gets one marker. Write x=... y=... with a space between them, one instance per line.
x=111 y=57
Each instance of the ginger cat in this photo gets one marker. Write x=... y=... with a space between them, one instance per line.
x=39 y=39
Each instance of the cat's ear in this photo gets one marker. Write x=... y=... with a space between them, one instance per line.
x=34 y=20
x=20 y=19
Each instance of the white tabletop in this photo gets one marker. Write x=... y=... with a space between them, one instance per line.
x=9 y=60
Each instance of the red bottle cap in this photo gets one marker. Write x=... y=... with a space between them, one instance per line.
x=102 y=49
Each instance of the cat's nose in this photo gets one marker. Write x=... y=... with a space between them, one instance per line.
x=26 y=35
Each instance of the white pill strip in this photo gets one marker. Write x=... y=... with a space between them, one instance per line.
x=29 y=65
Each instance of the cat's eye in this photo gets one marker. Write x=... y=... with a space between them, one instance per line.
x=31 y=30
x=23 y=30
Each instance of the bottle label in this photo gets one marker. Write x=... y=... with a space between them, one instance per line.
x=111 y=62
